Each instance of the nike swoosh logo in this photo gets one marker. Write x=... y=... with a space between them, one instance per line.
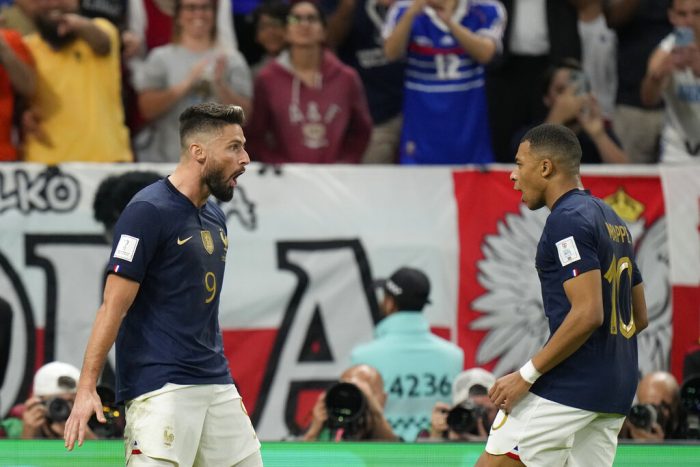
x=183 y=241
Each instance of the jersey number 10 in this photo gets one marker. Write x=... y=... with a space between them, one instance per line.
x=614 y=275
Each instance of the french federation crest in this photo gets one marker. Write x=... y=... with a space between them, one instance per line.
x=207 y=241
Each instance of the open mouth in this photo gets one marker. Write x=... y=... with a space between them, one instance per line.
x=235 y=176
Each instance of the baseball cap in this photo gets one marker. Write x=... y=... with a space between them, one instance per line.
x=466 y=380
x=410 y=287
x=56 y=378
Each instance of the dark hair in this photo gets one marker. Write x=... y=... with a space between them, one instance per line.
x=556 y=142
x=207 y=117
x=272 y=8
x=567 y=63
x=319 y=11
x=176 y=35
x=115 y=192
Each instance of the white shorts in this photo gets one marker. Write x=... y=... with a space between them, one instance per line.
x=192 y=425
x=544 y=433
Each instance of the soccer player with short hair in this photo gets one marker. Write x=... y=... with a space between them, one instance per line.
x=161 y=305
x=568 y=403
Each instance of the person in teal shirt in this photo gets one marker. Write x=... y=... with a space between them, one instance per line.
x=417 y=366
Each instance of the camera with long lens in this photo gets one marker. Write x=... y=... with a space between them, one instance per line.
x=57 y=409
x=346 y=406
x=690 y=403
x=463 y=418
x=644 y=416
x=114 y=416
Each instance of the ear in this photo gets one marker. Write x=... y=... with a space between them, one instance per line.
x=197 y=152
x=546 y=168
x=389 y=304
x=548 y=103
x=381 y=398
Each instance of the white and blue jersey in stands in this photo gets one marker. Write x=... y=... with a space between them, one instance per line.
x=445 y=110
x=583 y=234
x=177 y=253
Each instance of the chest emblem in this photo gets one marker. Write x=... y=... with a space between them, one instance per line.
x=207 y=241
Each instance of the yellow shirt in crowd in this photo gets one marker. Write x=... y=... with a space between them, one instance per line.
x=78 y=103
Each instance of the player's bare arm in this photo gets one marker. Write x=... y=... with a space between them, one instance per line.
x=119 y=294
x=639 y=308
x=585 y=294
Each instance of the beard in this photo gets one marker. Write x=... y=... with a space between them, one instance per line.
x=218 y=184
x=48 y=29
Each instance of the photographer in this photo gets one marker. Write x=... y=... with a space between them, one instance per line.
x=470 y=416
x=417 y=366
x=45 y=413
x=356 y=409
x=656 y=414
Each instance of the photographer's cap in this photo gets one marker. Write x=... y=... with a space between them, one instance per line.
x=56 y=378
x=410 y=287
x=466 y=380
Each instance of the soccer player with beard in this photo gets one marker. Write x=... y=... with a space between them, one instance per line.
x=161 y=304
x=76 y=113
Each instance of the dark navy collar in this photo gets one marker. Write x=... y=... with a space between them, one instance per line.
x=568 y=194
x=181 y=195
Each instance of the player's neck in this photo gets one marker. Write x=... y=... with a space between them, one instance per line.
x=560 y=188
x=191 y=186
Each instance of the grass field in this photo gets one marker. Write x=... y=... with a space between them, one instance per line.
x=293 y=454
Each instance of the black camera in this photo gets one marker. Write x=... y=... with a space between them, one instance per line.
x=346 y=406
x=114 y=427
x=463 y=418
x=690 y=402
x=57 y=409
x=643 y=416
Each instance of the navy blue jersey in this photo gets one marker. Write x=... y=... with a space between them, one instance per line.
x=582 y=234
x=177 y=253
x=445 y=109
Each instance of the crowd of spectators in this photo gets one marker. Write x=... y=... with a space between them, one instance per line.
x=351 y=81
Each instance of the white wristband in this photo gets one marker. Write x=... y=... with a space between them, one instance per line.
x=529 y=372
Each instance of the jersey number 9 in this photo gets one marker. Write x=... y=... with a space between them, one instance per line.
x=210 y=285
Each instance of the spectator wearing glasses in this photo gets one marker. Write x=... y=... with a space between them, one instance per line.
x=190 y=70
x=308 y=107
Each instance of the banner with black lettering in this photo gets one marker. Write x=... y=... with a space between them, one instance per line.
x=305 y=243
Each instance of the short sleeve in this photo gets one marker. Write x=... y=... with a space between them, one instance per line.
x=493 y=22
x=636 y=274
x=573 y=243
x=152 y=74
x=14 y=40
x=396 y=11
x=238 y=74
x=136 y=239
x=668 y=43
x=112 y=32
